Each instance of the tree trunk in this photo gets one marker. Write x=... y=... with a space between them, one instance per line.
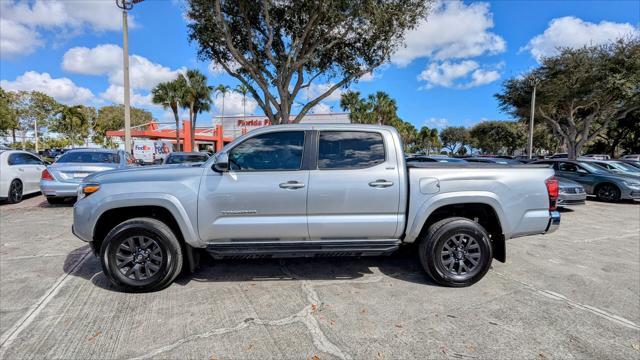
x=572 y=150
x=192 y=118
x=13 y=136
x=175 y=115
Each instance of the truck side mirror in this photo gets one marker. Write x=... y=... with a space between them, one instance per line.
x=221 y=162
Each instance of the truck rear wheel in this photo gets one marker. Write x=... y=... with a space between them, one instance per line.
x=141 y=255
x=456 y=252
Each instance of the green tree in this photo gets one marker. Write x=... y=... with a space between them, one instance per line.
x=196 y=97
x=169 y=95
x=277 y=48
x=243 y=90
x=428 y=140
x=580 y=91
x=497 y=137
x=8 y=113
x=359 y=110
x=383 y=107
x=223 y=90
x=454 y=137
x=35 y=111
x=112 y=118
x=71 y=123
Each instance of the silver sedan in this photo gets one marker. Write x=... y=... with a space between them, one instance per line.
x=61 y=179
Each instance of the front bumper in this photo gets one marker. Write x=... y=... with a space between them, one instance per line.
x=554 y=222
x=58 y=188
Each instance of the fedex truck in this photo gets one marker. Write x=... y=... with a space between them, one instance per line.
x=151 y=151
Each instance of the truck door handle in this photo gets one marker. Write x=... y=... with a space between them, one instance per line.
x=291 y=185
x=381 y=183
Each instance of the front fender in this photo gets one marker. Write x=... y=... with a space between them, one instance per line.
x=87 y=212
x=420 y=215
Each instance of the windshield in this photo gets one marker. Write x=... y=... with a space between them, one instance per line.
x=595 y=169
x=190 y=158
x=624 y=167
x=89 y=157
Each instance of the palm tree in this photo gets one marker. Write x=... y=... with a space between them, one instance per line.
x=224 y=89
x=196 y=97
x=169 y=95
x=243 y=90
x=383 y=106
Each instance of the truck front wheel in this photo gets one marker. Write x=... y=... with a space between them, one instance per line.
x=141 y=255
x=456 y=252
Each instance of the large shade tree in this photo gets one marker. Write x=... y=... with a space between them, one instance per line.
x=8 y=113
x=169 y=95
x=580 y=92
x=278 y=48
x=111 y=117
x=497 y=137
x=71 y=123
x=454 y=137
x=35 y=111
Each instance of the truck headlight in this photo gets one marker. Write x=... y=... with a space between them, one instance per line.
x=85 y=190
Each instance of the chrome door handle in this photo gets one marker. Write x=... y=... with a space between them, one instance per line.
x=291 y=185
x=380 y=183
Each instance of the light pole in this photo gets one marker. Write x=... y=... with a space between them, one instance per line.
x=534 y=82
x=126 y=5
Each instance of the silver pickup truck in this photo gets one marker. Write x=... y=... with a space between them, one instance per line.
x=305 y=191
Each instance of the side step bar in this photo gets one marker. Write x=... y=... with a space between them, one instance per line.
x=260 y=250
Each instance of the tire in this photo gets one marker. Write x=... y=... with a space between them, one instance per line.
x=141 y=255
x=15 y=192
x=608 y=192
x=456 y=268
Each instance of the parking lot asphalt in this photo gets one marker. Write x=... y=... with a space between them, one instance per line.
x=571 y=294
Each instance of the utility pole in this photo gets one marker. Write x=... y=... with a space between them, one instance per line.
x=126 y=5
x=534 y=82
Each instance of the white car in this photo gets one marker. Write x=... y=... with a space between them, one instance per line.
x=20 y=173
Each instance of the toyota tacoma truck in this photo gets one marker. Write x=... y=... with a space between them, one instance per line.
x=311 y=190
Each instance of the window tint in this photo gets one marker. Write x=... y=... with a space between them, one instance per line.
x=186 y=158
x=89 y=157
x=23 y=159
x=567 y=167
x=350 y=149
x=272 y=151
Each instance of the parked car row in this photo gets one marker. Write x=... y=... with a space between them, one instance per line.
x=23 y=173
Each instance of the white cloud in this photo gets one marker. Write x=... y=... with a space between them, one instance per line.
x=370 y=76
x=16 y=39
x=462 y=75
x=315 y=90
x=233 y=104
x=24 y=21
x=452 y=31
x=437 y=123
x=115 y=94
x=217 y=69
x=320 y=108
x=572 y=32
x=61 y=89
x=106 y=59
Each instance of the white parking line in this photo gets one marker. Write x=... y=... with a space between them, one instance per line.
x=10 y=335
x=592 y=309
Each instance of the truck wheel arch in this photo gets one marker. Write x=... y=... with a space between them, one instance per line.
x=481 y=212
x=114 y=216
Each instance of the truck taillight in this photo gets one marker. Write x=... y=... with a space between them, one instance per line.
x=46 y=175
x=552 y=189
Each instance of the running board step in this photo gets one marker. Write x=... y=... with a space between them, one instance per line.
x=257 y=250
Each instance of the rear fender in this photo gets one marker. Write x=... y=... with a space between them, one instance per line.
x=430 y=205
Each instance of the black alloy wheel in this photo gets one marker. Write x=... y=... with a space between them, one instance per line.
x=15 y=192
x=608 y=192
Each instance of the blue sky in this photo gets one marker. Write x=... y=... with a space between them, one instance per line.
x=447 y=75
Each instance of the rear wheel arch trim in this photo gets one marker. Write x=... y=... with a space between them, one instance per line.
x=439 y=201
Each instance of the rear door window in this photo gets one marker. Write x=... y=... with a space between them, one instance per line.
x=350 y=149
